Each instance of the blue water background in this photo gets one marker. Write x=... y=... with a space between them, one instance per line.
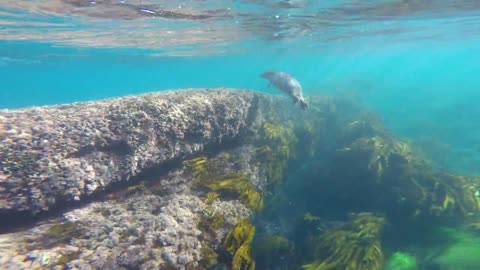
x=425 y=89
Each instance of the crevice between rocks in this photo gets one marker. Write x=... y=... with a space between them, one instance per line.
x=18 y=221
x=120 y=148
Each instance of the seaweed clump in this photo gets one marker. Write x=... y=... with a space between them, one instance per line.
x=66 y=258
x=210 y=175
x=278 y=146
x=408 y=185
x=381 y=153
x=211 y=197
x=57 y=234
x=353 y=246
x=63 y=232
x=238 y=243
x=401 y=261
x=210 y=223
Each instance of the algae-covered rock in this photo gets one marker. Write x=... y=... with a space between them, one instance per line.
x=141 y=229
x=211 y=175
x=186 y=171
x=194 y=165
x=462 y=251
x=401 y=261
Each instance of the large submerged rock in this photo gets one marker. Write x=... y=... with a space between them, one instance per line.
x=193 y=165
x=171 y=180
x=164 y=223
x=188 y=168
x=61 y=153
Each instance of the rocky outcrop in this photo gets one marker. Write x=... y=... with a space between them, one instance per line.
x=62 y=153
x=164 y=223
x=181 y=173
x=186 y=164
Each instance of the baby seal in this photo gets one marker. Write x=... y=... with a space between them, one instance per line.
x=287 y=84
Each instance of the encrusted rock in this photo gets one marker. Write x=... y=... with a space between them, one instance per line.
x=143 y=230
x=161 y=219
x=61 y=153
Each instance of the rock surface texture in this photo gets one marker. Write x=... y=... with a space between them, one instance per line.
x=171 y=180
x=159 y=227
x=61 y=153
x=160 y=215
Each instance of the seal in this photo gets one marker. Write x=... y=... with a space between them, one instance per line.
x=287 y=84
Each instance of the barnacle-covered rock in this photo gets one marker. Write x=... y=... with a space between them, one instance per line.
x=61 y=153
x=139 y=229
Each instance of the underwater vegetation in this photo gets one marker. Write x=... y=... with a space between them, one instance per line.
x=354 y=246
x=224 y=176
x=209 y=225
x=460 y=251
x=278 y=145
x=274 y=245
x=278 y=198
x=209 y=175
x=60 y=233
x=270 y=251
x=309 y=218
x=403 y=184
x=349 y=164
x=238 y=243
x=381 y=153
x=210 y=197
x=63 y=230
x=359 y=167
x=401 y=261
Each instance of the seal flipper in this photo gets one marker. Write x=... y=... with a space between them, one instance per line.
x=303 y=104
x=295 y=99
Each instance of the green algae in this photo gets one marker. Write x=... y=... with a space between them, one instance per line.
x=64 y=230
x=462 y=251
x=63 y=259
x=401 y=261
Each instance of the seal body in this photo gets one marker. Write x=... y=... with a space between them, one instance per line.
x=287 y=84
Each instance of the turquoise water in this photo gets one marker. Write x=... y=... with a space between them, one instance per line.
x=413 y=63
x=426 y=91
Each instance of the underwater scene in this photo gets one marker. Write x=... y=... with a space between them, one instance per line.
x=241 y=134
